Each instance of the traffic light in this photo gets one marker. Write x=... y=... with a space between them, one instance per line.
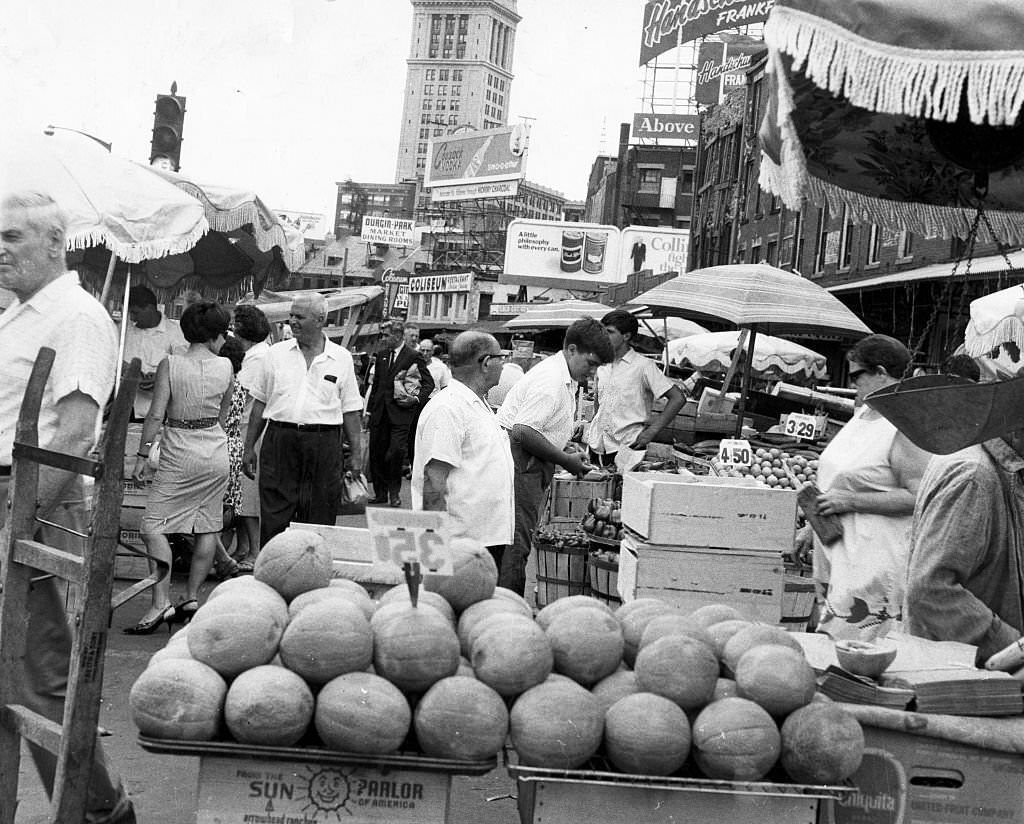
x=168 y=122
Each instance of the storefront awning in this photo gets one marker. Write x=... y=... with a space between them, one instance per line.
x=979 y=266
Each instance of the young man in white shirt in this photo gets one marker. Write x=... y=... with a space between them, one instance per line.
x=540 y=412
x=626 y=390
x=150 y=337
x=463 y=462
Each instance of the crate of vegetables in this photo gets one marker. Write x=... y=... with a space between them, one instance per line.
x=603 y=522
x=561 y=550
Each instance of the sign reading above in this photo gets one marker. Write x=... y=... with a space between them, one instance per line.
x=668 y=22
x=674 y=126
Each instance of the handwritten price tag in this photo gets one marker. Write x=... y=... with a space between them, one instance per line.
x=401 y=536
x=801 y=426
x=735 y=452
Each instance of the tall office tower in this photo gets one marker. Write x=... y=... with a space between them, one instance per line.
x=460 y=73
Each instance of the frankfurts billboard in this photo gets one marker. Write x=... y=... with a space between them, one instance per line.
x=668 y=23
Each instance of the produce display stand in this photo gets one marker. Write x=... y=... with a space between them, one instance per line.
x=561 y=570
x=551 y=796
x=244 y=783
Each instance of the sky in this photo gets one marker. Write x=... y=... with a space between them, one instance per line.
x=288 y=97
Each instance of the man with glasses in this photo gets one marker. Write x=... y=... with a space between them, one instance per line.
x=463 y=462
x=539 y=414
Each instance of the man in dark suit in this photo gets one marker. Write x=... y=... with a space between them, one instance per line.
x=389 y=418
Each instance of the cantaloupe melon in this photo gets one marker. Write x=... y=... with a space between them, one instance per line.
x=587 y=644
x=475 y=613
x=679 y=668
x=710 y=614
x=562 y=605
x=635 y=621
x=461 y=718
x=776 y=677
x=234 y=633
x=511 y=654
x=385 y=612
x=514 y=597
x=248 y=588
x=721 y=632
x=361 y=712
x=268 y=705
x=465 y=668
x=350 y=585
x=326 y=640
x=646 y=734
x=415 y=649
x=821 y=744
x=615 y=686
x=674 y=624
x=316 y=596
x=474 y=579
x=170 y=651
x=754 y=636
x=724 y=688
x=400 y=595
x=178 y=699
x=735 y=739
x=293 y=562
x=557 y=724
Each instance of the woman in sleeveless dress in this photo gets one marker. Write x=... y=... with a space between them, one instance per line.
x=869 y=475
x=190 y=403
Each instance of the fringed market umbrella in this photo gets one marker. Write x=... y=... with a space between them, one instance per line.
x=774 y=358
x=558 y=315
x=905 y=111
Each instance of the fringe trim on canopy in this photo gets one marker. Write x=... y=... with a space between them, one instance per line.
x=1006 y=330
x=887 y=79
x=266 y=233
x=143 y=250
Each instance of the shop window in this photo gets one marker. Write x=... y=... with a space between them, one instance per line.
x=821 y=242
x=648 y=181
x=874 y=244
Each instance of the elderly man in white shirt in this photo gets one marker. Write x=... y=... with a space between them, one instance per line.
x=150 y=337
x=463 y=461
x=305 y=395
x=51 y=309
x=539 y=413
x=626 y=390
x=439 y=371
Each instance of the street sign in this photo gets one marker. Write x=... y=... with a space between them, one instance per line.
x=402 y=536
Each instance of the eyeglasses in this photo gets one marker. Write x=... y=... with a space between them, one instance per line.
x=484 y=358
x=856 y=373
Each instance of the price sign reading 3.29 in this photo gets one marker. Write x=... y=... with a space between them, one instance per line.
x=801 y=426
x=401 y=536
x=735 y=452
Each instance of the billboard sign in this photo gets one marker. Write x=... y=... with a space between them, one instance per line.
x=661 y=126
x=654 y=248
x=562 y=254
x=311 y=224
x=722 y=67
x=476 y=157
x=668 y=22
x=472 y=191
x=390 y=230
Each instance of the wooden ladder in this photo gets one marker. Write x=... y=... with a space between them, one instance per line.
x=22 y=559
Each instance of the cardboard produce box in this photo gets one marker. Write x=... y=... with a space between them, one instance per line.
x=728 y=513
x=692 y=577
x=911 y=779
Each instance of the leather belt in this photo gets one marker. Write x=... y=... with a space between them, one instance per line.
x=306 y=427
x=192 y=423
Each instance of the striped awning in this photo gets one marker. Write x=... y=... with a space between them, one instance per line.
x=755 y=294
x=559 y=315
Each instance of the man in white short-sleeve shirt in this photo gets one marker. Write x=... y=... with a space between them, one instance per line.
x=51 y=309
x=539 y=413
x=463 y=462
x=305 y=395
x=150 y=336
x=626 y=390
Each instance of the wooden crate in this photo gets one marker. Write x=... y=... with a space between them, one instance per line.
x=798 y=597
x=692 y=577
x=604 y=580
x=568 y=498
x=734 y=513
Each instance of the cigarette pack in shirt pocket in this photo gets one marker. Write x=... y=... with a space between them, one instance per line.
x=331 y=378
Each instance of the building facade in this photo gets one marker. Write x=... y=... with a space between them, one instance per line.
x=459 y=73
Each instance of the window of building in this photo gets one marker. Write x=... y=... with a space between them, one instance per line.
x=435 y=22
x=442 y=90
x=453 y=105
x=874 y=244
x=846 y=241
x=490 y=80
x=501 y=85
x=905 y=245
x=452 y=119
x=442 y=106
x=648 y=180
x=463 y=302
x=428 y=88
x=463 y=23
x=424 y=134
x=456 y=76
x=771 y=256
x=755 y=254
x=421 y=148
x=456 y=91
x=789 y=247
x=428 y=104
x=424 y=119
x=446 y=304
x=421 y=163
x=442 y=74
x=429 y=74
x=438 y=132
x=426 y=304
x=821 y=241
x=488 y=95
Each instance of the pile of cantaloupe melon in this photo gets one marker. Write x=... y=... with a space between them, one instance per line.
x=291 y=657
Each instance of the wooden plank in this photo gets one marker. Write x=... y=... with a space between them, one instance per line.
x=32 y=726
x=48 y=559
x=59 y=460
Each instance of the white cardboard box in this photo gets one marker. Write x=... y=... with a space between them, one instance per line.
x=699 y=511
x=693 y=577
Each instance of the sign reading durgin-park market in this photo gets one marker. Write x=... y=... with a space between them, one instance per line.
x=668 y=22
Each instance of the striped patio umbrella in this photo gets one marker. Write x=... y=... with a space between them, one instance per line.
x=559 y=315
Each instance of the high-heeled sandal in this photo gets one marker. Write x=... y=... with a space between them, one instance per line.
x=166 y=616
x=185 y=610
x=226 y=569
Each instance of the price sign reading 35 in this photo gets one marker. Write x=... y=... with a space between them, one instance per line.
x=401 y=536
x=735 y=452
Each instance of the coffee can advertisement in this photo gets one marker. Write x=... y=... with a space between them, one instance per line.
x=561 y=254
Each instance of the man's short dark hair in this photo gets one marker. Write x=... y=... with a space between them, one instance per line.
x=589 y=337
x=623 y=321
x=141 y=297
x=251 y=324
x=881 y=350
x=204 y=321
x=963 y=366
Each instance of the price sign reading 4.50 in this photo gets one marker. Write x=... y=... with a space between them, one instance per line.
x=735 y=452
x=801 y=426
x=400 y=536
